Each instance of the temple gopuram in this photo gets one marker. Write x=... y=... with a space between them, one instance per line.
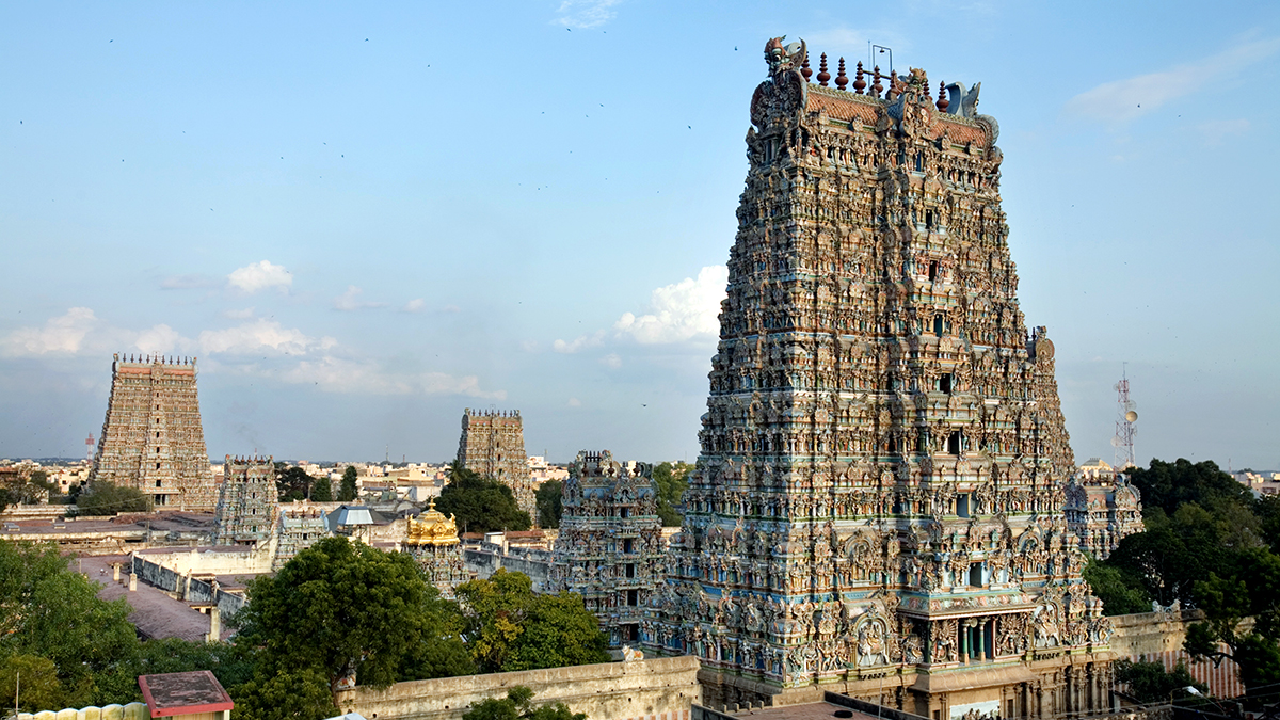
x=878 y=507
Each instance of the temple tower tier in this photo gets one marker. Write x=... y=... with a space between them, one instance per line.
x=878 y=504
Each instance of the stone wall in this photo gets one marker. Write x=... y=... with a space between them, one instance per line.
x=535 y=563
x=1159 y=636
x=185 y=587
x=132 y=711
x=664 y=687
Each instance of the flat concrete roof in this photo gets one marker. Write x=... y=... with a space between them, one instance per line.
x=807 y=711
x=154 y=612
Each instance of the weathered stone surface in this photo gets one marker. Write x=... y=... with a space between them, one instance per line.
x=152 y=438
x=881 y=485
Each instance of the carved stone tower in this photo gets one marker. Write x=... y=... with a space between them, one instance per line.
x=610 y=546
x=152 y=439
x=492 y=445
x=878 y=506
x=247 y=504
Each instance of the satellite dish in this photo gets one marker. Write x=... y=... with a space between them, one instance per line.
x=1130 y=416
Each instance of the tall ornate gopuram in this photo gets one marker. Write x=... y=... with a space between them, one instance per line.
x=609 y=549
x=247 y=501
x=492 y=444
x=152 y=438
x=878 y=505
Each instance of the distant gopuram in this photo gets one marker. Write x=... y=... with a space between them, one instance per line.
x=152 y=439
x=247 y=506
x=492 y=445
x=878 y=504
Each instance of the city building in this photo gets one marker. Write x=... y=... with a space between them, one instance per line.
x=152 y=438
x=610 y=547
x=492 y=445
x=878 y=508
x=246 y=513
x=432 y=539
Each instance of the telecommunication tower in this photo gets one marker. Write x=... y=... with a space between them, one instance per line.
x=89 y=446
x=1126 y=415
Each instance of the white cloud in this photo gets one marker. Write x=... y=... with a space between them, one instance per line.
x=575 y=402
x=687 y=309
x=612 y=361
x=350 y=300
x=414 y=306
x=160 y=339
x=334 y=374
x=261 y=336
x=259 y=276
x=852 y=44
x=585 y=13
x=595 y=339
x=1119 y=101
x=60 y=335
x=241 y=314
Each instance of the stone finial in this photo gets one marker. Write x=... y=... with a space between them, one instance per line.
x=841 y=79
x=805 y=70
x=823 y=75
x=942 y=97
x=859 y=84
x=877 y=88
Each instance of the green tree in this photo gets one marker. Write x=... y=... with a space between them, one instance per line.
x=340 y=608
x=54 y=613
x=1249 y=587
x=281 y=692
x=480 y=504
x=550 y=503
x=1120 y=592
x=33 y=680
x=103 y=498
x=1149 y=682
x=1167 y=486
x=671 y=482
x=292 y=482
x=323 y=490
x=518 y=705
x=509 y=627
x=347 y=491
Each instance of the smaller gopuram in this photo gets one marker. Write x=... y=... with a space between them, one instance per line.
x=492 y=445
x=247 y=506
x=433 y=540
x=1101 y=511
x=152 y=439
x=610 y=546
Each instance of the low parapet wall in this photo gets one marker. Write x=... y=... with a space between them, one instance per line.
x=132 y=711
x=639 y=689
x=1159 y=636
x=191 y=589
x=486 y=560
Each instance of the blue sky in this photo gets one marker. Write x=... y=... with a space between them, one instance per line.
x=364 y=218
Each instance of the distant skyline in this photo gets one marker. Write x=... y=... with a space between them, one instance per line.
x=363 y=219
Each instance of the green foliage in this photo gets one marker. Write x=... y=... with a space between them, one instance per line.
x=323 y=490
x=53 y=613
x=480 y=504
x=671 y=481
x=285 y=693
x=518 y=706
x=509 y=627
x=103 y=498
x=1121 y=593
x=292 y=482
x=347 y=491
x=1149 y=682
x=341 y=609
x=36 y=681
x=231 y=663
x=1167 y=486
x=28 y=489
x=550 y=503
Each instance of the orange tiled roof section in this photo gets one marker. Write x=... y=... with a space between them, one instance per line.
x=848 y=108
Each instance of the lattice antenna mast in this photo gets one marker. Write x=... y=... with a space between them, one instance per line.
x=1126 y=415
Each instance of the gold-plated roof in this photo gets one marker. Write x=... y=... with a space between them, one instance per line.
x=431 y=528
